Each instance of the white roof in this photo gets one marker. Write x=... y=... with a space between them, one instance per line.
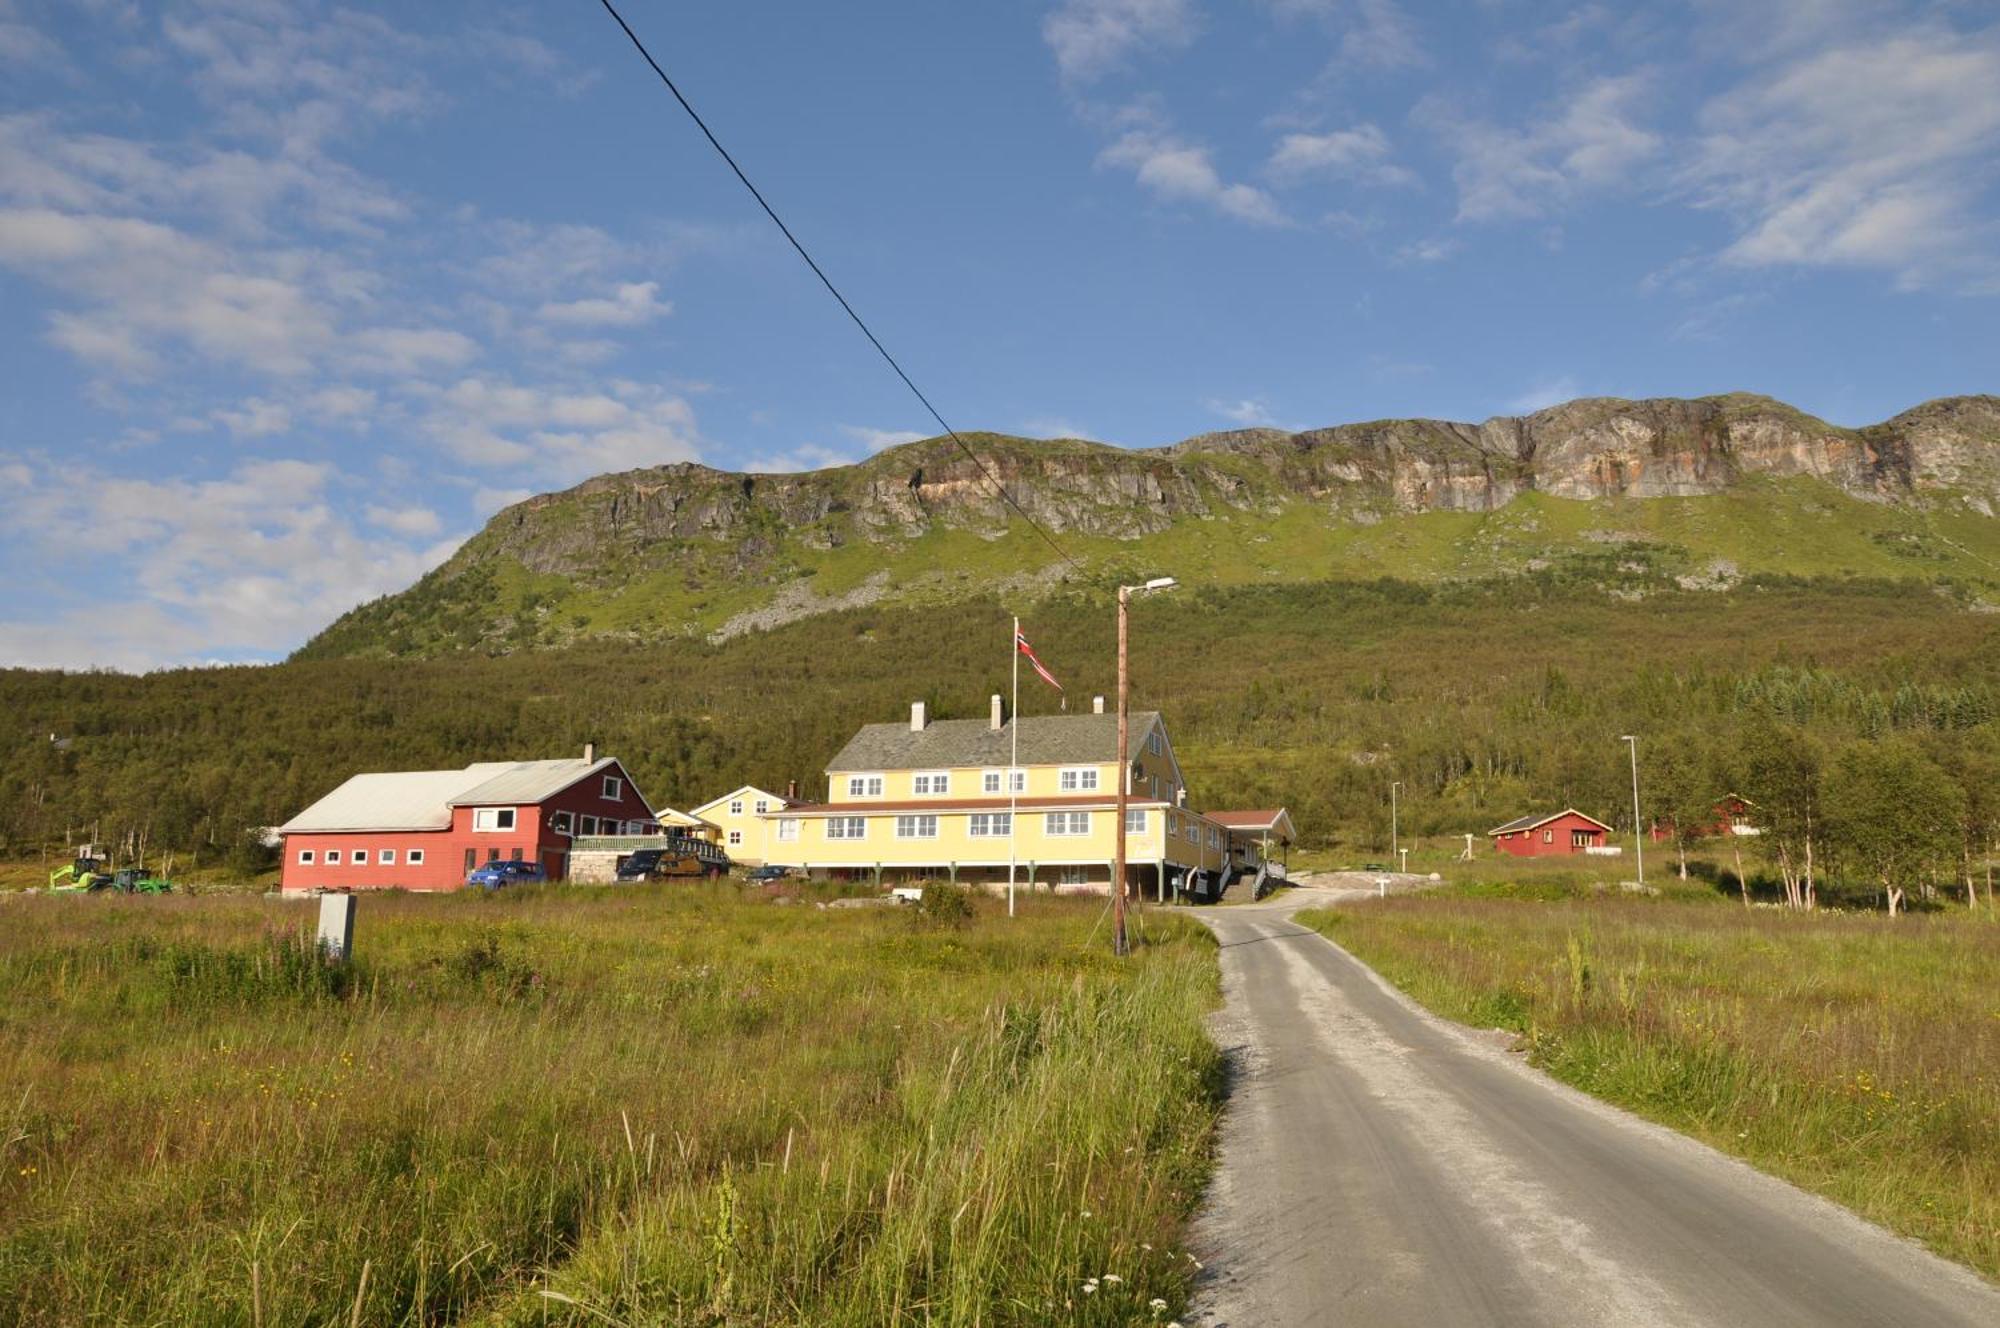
x=423 y=799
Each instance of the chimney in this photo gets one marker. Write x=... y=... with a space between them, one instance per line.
x=916 y=716
x=996 y=723
x=1096 y=705
x=791 y=790
x=590 y=753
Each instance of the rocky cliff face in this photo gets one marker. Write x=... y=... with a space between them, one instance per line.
x=1590 y=449
x=713 y=547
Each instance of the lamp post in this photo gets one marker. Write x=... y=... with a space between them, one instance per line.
x=1638 y=831
x=1118 y=942
x=1395 y=841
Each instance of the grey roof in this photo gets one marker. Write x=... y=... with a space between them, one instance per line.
x=423 y=799
x=1530 y=821
x=943 y=743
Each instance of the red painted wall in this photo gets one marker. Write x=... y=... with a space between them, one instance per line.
x=1549 y=840
x=532 y=838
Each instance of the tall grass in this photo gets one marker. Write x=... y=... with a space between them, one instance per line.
x=1854 y=1055
x=659 y=1105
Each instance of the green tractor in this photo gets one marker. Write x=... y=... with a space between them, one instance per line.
x=89 y=875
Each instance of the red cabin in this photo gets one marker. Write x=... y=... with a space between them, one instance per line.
x=427 y=829
x=1566 y=831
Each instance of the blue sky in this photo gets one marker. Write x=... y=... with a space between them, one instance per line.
x=293 y=296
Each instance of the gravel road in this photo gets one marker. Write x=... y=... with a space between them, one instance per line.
x=1382 y=1167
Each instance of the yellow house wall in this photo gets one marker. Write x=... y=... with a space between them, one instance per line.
x=752 y=826
x=1032 y=843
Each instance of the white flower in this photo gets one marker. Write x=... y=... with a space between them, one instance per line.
x=1157 y=1306
x=1112 y=1279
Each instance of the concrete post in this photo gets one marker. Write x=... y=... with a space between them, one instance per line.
x=336 y=928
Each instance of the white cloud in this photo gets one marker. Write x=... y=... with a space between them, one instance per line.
x=255 y=418
x=1548 y=392
x=631 y=304
x=1055 y=426
x=874 y=440
x=1875 y=154
x=1359 y=153
x=806 y=456
x=1092 y=37
x=487 y=500
x=1248 y=412
x=1381 y=36
x=1590 y=142
x=340 y=403
x=405 y=520
x=247 y=564
x=408 y=350
x=1436 y=249
x=1180 y=172
x=560 y=436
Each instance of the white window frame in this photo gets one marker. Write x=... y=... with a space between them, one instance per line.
x=562 y=823
x=930 y=783
x=614 y=789
x=736 y=806
x=1066 y=825
x=864 y=786
x=736 y=839
x=994 y=782
x=989 y=825
x=917 y=825
x=305 y=857
x=1154 y=745
x=413 y=858
x=1073 y=876
x=1077 y=779
x=333 y=857
x=838 y=827
x=1135 y=820
x=788 y=830
x=385 y=857
x=486 y=820
x=761 y=806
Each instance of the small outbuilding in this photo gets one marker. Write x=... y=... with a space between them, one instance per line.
x=1536 y=836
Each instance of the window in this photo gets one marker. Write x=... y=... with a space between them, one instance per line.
x=995 y=781
x=788 y=830
x=415 y=857
x=1073 y=876
x=1214 y=837
x=916 y=827
x=761 y=806
x=493 y=818
x=932 y=783
x=864 y=786
x=1153 y=743
x=614 y=788
x=561 y=822
x=493 y=855
x=1066 y=823
x=1548 y=836
x=1135 y=821
x=305 y=857
x=1081 y=779
x=515 y=855
x=735 y=838
x=387 y=857
x=333 y=857
x=991 y=825
x=736 y=806
x=471 y=860
x=846 y=827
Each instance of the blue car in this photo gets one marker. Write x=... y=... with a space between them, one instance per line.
x=495 y=875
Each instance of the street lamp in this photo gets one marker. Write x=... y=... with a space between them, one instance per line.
x=1638 y=832
x=1395 y=843
x=1125 y=593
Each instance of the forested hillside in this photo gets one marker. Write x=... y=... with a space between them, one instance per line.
x=1487 y=700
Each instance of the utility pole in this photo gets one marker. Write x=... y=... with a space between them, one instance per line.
x=1638 y=831
x=1395 y=840
x=1119 y=945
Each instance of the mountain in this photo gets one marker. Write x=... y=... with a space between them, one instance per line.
x=1626 y=496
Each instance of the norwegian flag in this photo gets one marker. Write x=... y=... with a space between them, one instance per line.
x=1021 y=644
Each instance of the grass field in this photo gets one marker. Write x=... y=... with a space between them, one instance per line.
x=1856 y=1056
x=656 y=1105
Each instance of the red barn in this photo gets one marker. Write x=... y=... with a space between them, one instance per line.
x=426 y=829
x=1566 y=831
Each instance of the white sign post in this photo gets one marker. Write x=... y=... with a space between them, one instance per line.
x=336 y=928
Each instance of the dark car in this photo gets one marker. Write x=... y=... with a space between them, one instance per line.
x=645 y=865
x=496 y=875
x=770 y=871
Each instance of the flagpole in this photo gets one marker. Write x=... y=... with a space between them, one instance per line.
x=1013 y=759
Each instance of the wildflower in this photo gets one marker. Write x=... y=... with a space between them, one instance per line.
x=1090 y=1287
x=1157 y=1306
x=1144 y=1246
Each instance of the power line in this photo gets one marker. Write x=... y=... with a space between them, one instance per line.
x=833 y=290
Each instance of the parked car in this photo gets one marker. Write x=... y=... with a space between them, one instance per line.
x=770 y=871
x=496 y=875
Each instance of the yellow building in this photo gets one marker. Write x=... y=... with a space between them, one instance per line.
x=740 y=820
x=684 y=823
x=932 y=800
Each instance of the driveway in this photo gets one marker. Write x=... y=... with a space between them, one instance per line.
x=1382 y=1167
